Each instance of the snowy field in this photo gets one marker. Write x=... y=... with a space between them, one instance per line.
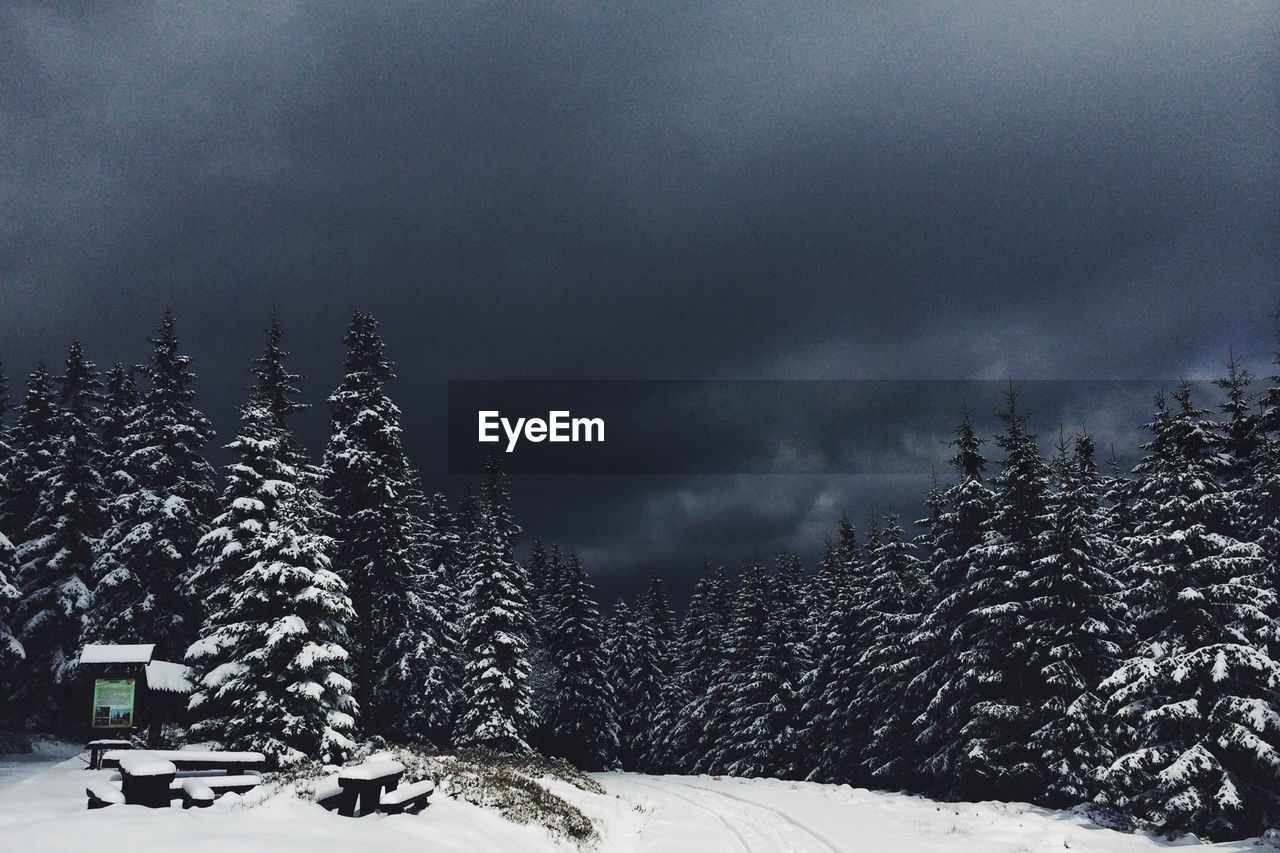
x=42 y=808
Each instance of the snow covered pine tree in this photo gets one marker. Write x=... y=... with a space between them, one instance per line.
x=381 y=552
x=272 y=670
x=165 y=493
x=1076 y=630
x=1203 y=692
x=583 y=725
x=56 y=556
x=495 y=712
x=680 y=726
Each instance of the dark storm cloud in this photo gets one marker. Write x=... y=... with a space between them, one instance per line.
x=643 y=190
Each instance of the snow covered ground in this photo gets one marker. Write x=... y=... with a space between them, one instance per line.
x=42 y=807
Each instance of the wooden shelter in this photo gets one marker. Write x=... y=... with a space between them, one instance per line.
x=124 y=690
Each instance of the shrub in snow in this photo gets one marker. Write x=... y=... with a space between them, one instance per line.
x=508 y=783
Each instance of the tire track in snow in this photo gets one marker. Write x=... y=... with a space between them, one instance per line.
x=738 y=836
x=805 y=828
x=775 y=830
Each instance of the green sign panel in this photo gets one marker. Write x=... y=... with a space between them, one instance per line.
x=113 y=703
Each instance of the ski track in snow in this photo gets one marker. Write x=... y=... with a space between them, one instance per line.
x=737 y=836
x=764 y=829
x=803 y=827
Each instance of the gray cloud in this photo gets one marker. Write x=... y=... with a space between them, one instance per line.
x=644 y=190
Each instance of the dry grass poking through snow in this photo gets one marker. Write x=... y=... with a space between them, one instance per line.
x=508 y=784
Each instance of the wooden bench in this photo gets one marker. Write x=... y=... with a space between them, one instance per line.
x=103 y=793
x=408 y=798
x=238 y=784
x=98 y=747
x=200 y=791
x=328 y=794
x=196 y=793
x=366 y=782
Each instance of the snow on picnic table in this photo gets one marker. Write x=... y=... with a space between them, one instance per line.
x=45 y=810
x=375 y=768
x=145 y=764
x=180 y=755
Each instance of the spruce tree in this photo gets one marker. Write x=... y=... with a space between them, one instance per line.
x=1241 y=441
x=538 y=568
x=12 y=654
x=271 y=663
x=56 y=556
x=417 y=671
x=31 y=447
x=1076 y=631
x=891 y=757
x=443 y=542
x=959 y=529
x=639 y=694
x=379 y=547
x=681 y=724
x=118 y=410
x=991 y=690
x=165 y=495
x=830 y=740
x=1118 y=496
x=6 y=446
x=637 y=672
x=620 y=664
x=584 y=728
x=543 y=610
x=1264 y=502
x=759 y=736
x=497 y=495
x=444 y=553
x=495 y=712
x=898 y=593
x=973 y=720
x=662 y=619
x=738 y=686
x=432 y=636
x=1201 y=695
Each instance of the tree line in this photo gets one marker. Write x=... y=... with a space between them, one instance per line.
x=1058 y=631
x=314 y=603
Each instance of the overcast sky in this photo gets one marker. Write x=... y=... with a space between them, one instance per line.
x=646 y=190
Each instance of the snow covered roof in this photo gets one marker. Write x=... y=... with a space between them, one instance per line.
x=169 y=677
x=103 y=653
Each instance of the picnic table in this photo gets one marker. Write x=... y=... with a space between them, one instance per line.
x=154 y=777
x=145 y=779
x=197 y=759
x=98 y=747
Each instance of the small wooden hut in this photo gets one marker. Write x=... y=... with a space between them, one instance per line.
x=125 y=690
